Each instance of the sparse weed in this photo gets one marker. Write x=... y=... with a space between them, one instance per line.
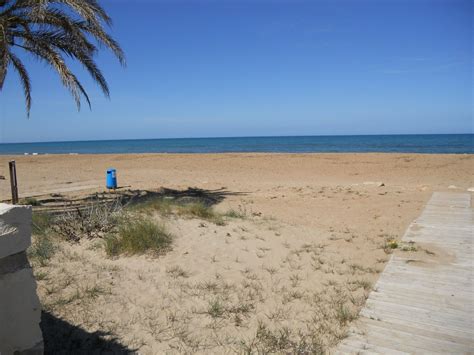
x=271 y=270
x=344 y=315
x=93 y=221
x=209 y=286
x=291 y=296
x=42 y=250
x=201 y=210
x=366 y=285
x=41 y=275
x=295 y=280
x=389 y=245
x=161 y=205
x=239 y=213
x=215 y=309
x=408 y=247
x=177 y=271
x=357 y=267
x=40 y=223
x=94 y=291
x=30 y=201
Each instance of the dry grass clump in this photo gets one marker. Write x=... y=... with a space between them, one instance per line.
x=123 y=232
x=177 y=271
x=94 y=221
x=202 y=211
x=233 y=213
x=217 y=308
x=163 y=206
x=41 y=222
x=194 y=209
x=137 y=236
x=282 y=341
x=41 y=250
x=30 y=201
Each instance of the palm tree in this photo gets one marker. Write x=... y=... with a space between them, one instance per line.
x=51 y=30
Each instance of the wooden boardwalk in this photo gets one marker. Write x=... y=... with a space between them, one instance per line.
x=419 y=305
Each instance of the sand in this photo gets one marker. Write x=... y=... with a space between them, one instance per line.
x=291 y=275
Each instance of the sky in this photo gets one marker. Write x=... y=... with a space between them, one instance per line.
x=263 y=68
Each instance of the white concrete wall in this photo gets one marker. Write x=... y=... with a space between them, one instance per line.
x=20 y=309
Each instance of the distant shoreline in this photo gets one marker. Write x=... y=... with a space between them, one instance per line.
x=424 y=144
x=230 y=154
x=248 y=137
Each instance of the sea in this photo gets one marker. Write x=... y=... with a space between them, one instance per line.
x=420 y=143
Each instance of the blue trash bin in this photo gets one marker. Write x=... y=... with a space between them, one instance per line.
x=111 y=181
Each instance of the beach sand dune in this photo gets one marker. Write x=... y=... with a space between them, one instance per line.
x=289 y=273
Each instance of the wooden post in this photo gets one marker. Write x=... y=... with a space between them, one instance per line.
x=13 y=182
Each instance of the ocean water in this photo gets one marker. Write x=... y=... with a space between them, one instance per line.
x=445 y=143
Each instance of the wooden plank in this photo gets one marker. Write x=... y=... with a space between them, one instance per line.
x=411 y=342
x=424 y=308
x=396 y=319
x=359 y=345
x=60 y=190
x=411 y=305
x=462 y=337
x=424 y=298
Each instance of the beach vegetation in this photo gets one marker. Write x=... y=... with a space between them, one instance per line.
x=366 y=285
x=389 y=245
x=41 y=223
x=138 y=235
x=202 y=211
x=167 y=206
x=344 y=315
x=41 y=250
x=268 y=341
x=177 y=271
x=30 y=201
x=233 y=213
x=93 y=221
x=216 y=309
x=120 y=231
x=160 y=205
x=41 y=275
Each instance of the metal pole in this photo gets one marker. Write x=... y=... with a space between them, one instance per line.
x=13 y=182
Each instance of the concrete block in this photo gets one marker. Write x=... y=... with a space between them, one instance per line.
x=15 y=229
x=20 y=312
x=20 y=309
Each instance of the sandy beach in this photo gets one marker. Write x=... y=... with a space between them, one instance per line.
x=295 y=266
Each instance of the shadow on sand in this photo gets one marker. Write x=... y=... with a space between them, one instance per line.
x=61 y=337
x=57 y=203
x=190 y=195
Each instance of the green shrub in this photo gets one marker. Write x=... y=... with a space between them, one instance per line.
x=216 y=309
x=30 y=201
x=235 y=213
x=40 y=223
x=201 y=210
x=157 y=204
x=41 y=250
x=138 y=236
x=194 y=209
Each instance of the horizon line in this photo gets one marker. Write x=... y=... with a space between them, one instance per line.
x=236 y=137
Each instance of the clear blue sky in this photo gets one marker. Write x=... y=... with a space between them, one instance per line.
x=250 y=68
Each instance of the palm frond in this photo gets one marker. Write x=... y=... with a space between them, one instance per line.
x=55 y=60
x=51 y=29
x=3 y=61
x=102 y=37
x=24 y=78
